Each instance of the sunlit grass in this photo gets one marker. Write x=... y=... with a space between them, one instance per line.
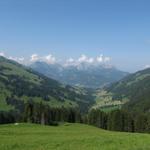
x=68 y=137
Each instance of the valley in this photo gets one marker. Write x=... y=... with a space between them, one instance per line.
x=74 y=75
x=81 y=74
x=29 y=96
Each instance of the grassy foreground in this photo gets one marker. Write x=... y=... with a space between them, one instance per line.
x=68 y=137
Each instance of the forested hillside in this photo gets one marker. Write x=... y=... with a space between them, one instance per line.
x=124 y=105
x=19 y=85
x=135 y=88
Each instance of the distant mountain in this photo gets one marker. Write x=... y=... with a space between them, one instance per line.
x=19 y=84
x=134 y=88
x=83 y=75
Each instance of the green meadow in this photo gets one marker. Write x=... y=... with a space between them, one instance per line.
x=68 y=137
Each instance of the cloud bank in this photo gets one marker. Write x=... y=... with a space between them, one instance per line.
x=50 y=59
x=101 y=59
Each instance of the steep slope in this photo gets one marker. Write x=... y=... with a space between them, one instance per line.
x=84 y=75
x=19 y=84
x=135 y=89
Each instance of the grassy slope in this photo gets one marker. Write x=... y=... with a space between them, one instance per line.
x=104 y=101
x=68 y=137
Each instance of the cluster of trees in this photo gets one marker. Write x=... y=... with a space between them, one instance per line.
x=119 y=120
x=42 y=114
x=8 y=117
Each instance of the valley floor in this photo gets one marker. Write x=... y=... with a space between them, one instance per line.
x=68 y=137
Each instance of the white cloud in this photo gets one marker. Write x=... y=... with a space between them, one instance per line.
x=2 y=54
x=50 y=59
x=88 y=60
x=12 y=58
x=34 y=57
x=91 y=60
x=19 y=60
x=83 y=58
x=103 y=59
x=100 y=58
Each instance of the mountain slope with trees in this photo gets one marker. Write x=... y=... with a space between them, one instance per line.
x=19 y=85
x=135 y=88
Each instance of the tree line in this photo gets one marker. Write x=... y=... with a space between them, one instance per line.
x=41 y=113
x=120 y=120
x=117 y=120
x=44 y=114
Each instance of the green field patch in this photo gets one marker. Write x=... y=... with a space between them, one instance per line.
x=68 y=137
x=105 y=101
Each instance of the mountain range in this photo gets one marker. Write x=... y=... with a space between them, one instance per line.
x=82 y=75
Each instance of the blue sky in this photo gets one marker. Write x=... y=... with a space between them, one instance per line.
x=119 y=29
